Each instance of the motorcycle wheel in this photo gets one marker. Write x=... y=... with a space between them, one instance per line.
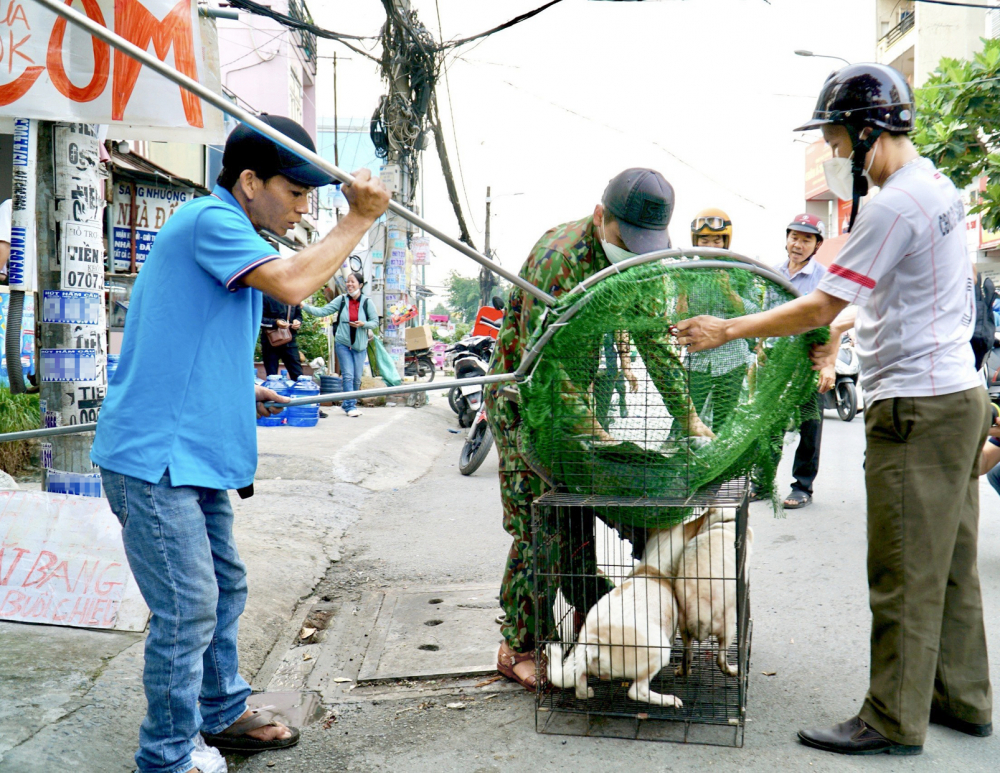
x=424 y=369
x=476 y=449
x=453 y=395
x=847 y=400
x=466 y=416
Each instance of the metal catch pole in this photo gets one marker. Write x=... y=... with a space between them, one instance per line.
x=403 y=389
x=119 y=43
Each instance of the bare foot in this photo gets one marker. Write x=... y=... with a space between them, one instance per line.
x=269 y=732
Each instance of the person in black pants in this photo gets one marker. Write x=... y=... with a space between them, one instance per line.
x=279 y=315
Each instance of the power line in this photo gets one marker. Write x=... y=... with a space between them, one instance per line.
x=505 y=25
x=959 y=4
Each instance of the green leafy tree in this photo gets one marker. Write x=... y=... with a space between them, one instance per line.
x=958 y=125
x=463 y=295
x=440 y=310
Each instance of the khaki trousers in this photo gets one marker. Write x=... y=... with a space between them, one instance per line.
x=928 y=643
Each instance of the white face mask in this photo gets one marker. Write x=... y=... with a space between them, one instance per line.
x=355 y=294
x=840 y=176
x=615 y=253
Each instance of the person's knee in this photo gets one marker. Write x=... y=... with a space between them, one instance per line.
x=993 y=476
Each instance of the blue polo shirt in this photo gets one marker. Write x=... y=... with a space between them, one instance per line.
x=183 y=395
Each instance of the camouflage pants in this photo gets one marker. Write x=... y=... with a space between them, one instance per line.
x=567 y=561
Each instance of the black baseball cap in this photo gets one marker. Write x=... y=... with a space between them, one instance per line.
x=642 y=202
x=248 y=149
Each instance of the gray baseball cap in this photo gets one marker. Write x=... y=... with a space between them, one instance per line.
x=642 y=202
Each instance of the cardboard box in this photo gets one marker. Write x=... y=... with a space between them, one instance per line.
x=419 y=338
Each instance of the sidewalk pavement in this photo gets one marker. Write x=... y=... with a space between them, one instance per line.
x=72 y=698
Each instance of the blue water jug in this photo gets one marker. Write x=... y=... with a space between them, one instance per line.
x=276 y=383
x=304 y=415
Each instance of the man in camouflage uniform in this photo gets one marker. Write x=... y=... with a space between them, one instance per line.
x=632 y=218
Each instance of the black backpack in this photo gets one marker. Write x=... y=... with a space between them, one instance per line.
x=983 y=334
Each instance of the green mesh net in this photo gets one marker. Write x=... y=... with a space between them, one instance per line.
x=610 y=408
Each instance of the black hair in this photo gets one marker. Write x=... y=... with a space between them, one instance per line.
x=228 y=179
x=359 y=276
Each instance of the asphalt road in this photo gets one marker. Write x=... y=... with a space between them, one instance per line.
x=811 y=624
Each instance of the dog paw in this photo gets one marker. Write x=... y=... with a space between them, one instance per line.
x=730 y=670
x=677 y=703
x=590 y=692
x=680 y=671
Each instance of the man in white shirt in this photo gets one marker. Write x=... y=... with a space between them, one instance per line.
x=803 y=238
x=906 y=269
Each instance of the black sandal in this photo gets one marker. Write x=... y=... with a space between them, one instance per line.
x=797 y=499
x=235 y=739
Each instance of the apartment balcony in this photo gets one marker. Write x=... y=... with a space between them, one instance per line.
x=899 y=40
x=305 y=40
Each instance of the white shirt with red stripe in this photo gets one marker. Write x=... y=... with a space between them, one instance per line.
x=907 y=268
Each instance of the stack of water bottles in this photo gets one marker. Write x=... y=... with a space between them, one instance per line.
x=296 y=415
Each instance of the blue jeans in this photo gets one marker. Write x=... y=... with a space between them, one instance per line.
x=352 y=365
x=993 y=476
x=179 y=543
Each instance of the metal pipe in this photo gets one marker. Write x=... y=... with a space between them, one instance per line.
x=115 y=41
x=361 y=393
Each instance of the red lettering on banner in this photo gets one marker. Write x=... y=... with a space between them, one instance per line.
x=137 y=25
x=39 y=608
x=106 y=588
x=51 y=559
x=13 y=564
x=14 y=598
x=58 y=617
x=102 y=59
x=92 y=620
x=61 y=571
x=80 y=609
x=111 y=614
x=14 y=10
x=87 y=579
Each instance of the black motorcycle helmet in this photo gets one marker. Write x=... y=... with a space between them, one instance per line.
x=860 y=95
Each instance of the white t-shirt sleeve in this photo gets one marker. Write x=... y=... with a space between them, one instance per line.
x=881 y=237
x=5 y=215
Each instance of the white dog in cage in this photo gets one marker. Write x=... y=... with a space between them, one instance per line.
x=629 y=631
x=706 y=589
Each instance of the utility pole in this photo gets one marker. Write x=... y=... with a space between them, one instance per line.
x=485 y=275
x=72 y=319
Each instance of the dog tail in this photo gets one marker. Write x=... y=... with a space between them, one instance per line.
x=561 y=671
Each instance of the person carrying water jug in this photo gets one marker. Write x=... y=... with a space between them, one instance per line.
x=170 y=448
x=355 y=316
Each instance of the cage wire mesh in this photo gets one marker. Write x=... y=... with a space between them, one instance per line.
x=615 y=407
x=640 y=550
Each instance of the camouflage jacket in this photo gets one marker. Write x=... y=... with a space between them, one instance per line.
x=559 y=261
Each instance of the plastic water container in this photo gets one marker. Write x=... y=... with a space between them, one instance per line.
x=289 y=384
x=276 y=383
x=112 y=365
x=304 y=415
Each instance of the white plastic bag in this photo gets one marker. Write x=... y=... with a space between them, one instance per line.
x=206 y=758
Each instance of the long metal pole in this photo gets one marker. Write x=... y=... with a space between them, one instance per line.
x=404 y=389
x=209 y=96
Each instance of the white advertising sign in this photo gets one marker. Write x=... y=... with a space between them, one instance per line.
x=82 y=257
x=53 y=70
x=153 y=206
x=62 y=563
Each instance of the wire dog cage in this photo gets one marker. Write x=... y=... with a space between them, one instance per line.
x=640 y=549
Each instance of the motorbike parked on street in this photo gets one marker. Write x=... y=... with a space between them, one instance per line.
x=844 y=395
x=471 y=359
x=419 y=363
x=478 y=443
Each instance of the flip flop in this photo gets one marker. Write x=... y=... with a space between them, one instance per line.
x=235 y=739
x=507 y=659
x=797 y=499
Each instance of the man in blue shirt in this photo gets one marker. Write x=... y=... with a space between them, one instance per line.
x=803 y=238
x=177 y=429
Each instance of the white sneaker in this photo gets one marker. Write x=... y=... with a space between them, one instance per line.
x=354 y=413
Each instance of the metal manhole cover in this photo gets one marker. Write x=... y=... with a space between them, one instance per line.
x=438 y=632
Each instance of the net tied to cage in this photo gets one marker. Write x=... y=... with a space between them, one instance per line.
x=609 y=408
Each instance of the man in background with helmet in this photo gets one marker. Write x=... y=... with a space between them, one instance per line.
x=906 y=268
x=803 y=238
x=716 y=376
